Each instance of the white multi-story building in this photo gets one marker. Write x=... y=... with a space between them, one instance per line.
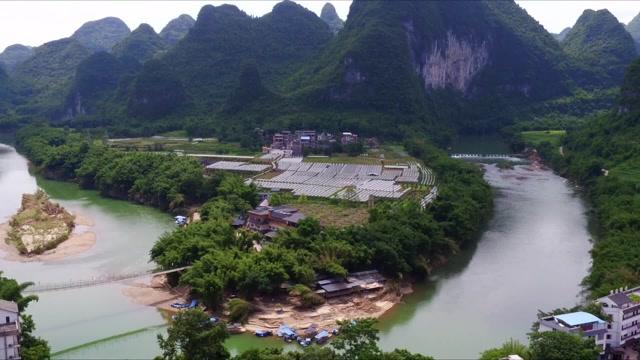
x=9 y=331
x=623 y=307
x=579 y=323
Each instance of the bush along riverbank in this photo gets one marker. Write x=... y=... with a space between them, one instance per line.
x=604 y=157
x=169 y=182
x=399 y=239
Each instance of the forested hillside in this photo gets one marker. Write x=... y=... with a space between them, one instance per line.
x=604 y=156
x=601 y=49
x=142 y=44
x=393 y=69
x=46 y=76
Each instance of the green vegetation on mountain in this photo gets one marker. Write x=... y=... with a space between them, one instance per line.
x=46 y=76
x=601 y=48
x=15 y=55
x=209 y=60
x=176 y=29
x=99 y=80
x=31 y=347
x=101 y=35
x=371 y=65
x=603 y=155
x=395 y=68
x=330 y=16
x=142 y=44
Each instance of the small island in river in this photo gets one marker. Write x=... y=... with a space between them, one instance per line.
x=39 y=225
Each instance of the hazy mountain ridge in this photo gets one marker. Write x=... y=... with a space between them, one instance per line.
x=177 y=29
x=103 y=34
x=15 y=55
x=633 y=27
x=330 y=16
x=562 y=34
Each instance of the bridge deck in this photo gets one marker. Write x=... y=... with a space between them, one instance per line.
x=74 y=284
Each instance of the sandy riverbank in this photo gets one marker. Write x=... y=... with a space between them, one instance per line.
x=155 y=292
x=271 y=313
x=80 y=240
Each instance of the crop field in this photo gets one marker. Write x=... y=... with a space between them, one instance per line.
x=554 y=137
x=180 y=144
x=387 y=154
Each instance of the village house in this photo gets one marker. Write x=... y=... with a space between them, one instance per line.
x=364 y=281
x=292 y=144
x=623 y=308
x=348 y=138
x=579 y=323
x=266 y=219
x=9 y=330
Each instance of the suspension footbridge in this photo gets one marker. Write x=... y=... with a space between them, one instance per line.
x=96 y=281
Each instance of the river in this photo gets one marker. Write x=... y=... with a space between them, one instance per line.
x=533 y=255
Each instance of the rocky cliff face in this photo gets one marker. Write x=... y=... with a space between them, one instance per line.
x=15 y=55
x=452 y=62
x=103 y=34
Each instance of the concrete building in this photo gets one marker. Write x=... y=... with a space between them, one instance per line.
x=347 y=138
x=9 y=331
x=267 y=219
x=623 y=306
x=579 y=323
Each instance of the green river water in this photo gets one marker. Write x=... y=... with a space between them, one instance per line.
x=533 y=255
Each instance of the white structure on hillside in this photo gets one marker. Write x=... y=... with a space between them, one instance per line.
x=9 y=330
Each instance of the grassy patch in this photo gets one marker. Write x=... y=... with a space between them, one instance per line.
x=390 y=154
x=334 y=215
x=535 y=138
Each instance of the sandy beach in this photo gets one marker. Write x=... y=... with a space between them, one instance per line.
x=155 y=292
x=81 y=240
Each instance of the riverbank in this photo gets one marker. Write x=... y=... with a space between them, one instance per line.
x=80 y=240
x=270 y=313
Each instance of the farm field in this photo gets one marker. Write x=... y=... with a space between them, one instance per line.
x=182 y=144
x=390 y=154
x=537 y=137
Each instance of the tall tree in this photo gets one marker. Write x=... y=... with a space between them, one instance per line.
x=192 y=336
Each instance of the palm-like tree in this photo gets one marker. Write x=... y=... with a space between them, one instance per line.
x=11 y=290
